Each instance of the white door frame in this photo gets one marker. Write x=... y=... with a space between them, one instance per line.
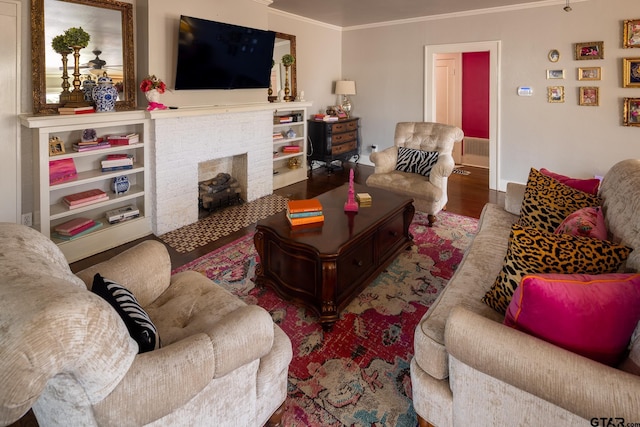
x=494 y=93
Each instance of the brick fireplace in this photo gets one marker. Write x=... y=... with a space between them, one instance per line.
x=182 y=139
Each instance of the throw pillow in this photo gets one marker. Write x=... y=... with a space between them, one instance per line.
x=590 y=185
x=547 y=202
x=531 y=251
x=140 y=326
x=591 y=315
x=416 y=161
x=586 y=222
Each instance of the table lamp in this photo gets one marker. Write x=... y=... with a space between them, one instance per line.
x=346 y=88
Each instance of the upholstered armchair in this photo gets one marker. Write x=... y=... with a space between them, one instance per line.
x=67 y=353
x=416 y=173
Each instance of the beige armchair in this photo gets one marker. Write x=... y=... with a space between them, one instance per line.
x=429 y=192
x=66 y=352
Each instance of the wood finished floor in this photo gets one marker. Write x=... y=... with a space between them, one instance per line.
x=467 y=196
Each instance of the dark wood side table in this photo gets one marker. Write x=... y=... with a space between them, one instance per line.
x=325 y=268
x=334 y=140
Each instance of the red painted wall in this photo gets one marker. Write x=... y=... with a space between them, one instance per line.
x=475 y=94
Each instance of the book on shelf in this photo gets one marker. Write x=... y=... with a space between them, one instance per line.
x=303 y=205
x=277 y=136
x=284 y=119
x=81 y=147
x=74 y=226
x=122 y=214
x=88 y=202
x=127 y=160
x=83 y=196
x=80 y=234
x=305 y=220
x=132 y=138
x=62 y=170
x=291 y=149
x=76 y=110
x=117 y=168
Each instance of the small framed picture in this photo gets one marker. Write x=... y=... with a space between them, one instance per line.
x=631 y=72
x=553 y=55
x=590 y=50
x=631 y=114
x=589 y=96
x=631 y=33
x=590 y=73
x=56 y=146
x=340 y=112
x=555 y=74
x=555 y=93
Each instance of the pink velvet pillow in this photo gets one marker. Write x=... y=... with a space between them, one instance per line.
x=587 y=185
x=585 y=222
x=592 y=315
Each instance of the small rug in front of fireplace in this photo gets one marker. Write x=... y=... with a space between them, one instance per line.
x=223 y=222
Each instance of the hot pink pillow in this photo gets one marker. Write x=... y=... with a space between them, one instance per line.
x=587 y=185
x=585 y=222
x=592 y=315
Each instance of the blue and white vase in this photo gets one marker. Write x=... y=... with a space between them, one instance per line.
x=87 y=88
x=120 y=184
x=105 y=95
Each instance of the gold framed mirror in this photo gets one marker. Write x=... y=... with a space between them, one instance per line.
x=286 y=43
x=110 y=25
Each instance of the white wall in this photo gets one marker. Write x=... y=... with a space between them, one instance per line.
x=387 y=63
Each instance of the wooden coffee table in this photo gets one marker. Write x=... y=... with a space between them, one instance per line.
x=325 y=268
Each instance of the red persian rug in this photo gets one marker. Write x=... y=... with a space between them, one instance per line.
x=357 y=374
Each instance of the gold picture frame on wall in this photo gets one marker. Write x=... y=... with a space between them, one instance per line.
x=589 y=50
x=589 y=96
x=589 y=73
x=631 y=112
x=631 y=33
x=630 y=72
x=555 y=94
x=555 y=74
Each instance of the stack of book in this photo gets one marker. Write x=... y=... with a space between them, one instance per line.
x=116 y=162
x=364 y=199
x=283 y=119
x=84 y=198
x=304 y=212
x=75 y=228
x=325 y=118
x=124 y=213
x=291 y=149
x=76 y=110
x=98 y=144
x=278 y=136
x=132 y=138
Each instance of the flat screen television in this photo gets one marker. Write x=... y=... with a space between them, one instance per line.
x=215 y=55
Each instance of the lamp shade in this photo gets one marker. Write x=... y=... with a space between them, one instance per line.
x=345 y=87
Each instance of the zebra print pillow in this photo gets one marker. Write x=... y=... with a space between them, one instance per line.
x=416 y=161
x=140 y=326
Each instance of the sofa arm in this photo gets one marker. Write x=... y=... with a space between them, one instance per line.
x=442 y=170
x=144 y=269
x=385 y=160
x=513 y=198
x=579 y=385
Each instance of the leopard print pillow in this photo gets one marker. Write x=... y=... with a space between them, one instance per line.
x=532 y=251
x=547 y=202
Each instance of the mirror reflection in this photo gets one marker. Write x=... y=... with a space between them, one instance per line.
x=103 y=54
x=285 y=44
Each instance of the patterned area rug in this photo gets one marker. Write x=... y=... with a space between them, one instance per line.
x=222 y=223
x=357 y=374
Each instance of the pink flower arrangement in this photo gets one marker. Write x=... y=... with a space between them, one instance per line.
x=152 y=82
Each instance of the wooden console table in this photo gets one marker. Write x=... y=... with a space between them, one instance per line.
x=324 y=269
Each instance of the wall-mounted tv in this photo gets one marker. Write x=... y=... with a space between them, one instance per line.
x=215 y=55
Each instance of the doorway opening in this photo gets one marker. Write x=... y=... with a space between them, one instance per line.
x=438 y=60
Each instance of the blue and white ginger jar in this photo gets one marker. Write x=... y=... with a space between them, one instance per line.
x=105 y=95
x=120 y=184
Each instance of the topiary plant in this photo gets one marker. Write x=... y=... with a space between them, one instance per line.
x=60 y=45
x=288 y=60
x=77 y=37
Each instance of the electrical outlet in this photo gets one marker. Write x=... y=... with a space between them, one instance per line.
x=374 y=148
x=27 y=219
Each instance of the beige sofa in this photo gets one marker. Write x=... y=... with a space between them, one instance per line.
x=469 y=369
x=429 y=192
x=67 y=353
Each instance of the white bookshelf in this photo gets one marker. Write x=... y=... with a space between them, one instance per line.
x=49 y=209
x=284 y=174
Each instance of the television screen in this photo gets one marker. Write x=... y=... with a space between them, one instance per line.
x=215 y=55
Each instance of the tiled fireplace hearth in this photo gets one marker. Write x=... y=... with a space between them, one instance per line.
x=183 y=138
